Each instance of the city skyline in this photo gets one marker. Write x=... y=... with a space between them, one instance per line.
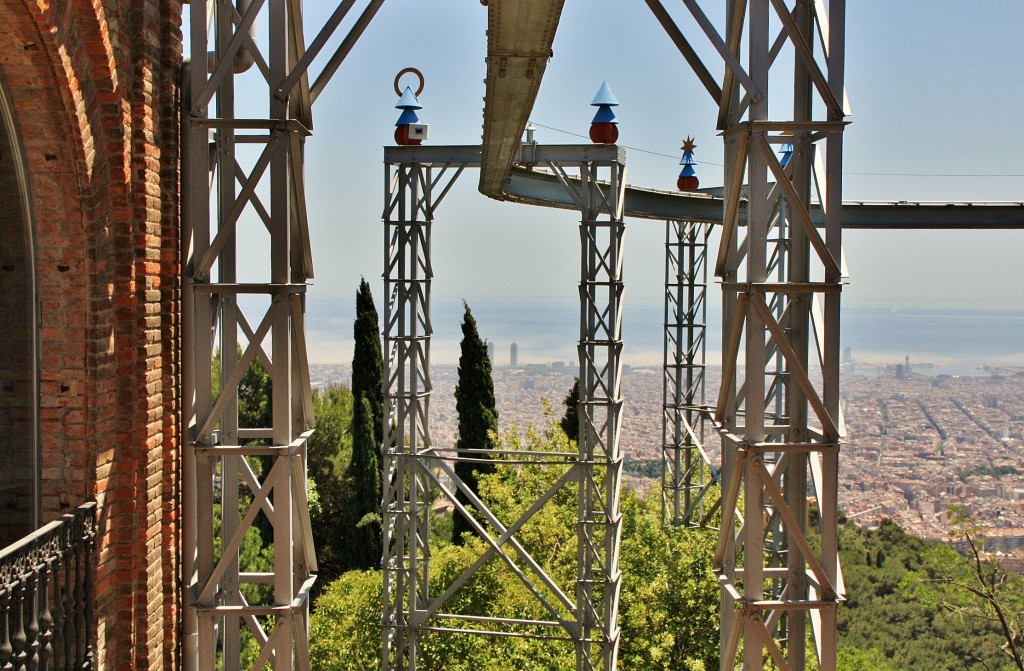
x=914 y=446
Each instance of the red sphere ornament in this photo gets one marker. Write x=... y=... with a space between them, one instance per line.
x=604 y=133
x=402 y=136
x=687 y=183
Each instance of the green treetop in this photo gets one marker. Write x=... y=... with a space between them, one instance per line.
x=668 y=613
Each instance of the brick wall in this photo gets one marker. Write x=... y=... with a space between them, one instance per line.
x=94 y=91
x=17 y=394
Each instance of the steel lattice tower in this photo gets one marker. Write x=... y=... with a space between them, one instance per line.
x=598 y=579
x=687 y=473
x=236 y=473
x=408 y=218
x=780 y=429
x=584 y=614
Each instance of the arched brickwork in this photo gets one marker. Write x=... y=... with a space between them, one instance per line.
x=93 y=86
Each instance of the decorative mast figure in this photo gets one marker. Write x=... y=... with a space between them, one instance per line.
x=786 y=151
x=408 y=130
x=604 y=129
x=688 y=176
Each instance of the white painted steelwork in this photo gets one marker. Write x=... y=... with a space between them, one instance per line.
x=598 y=579
x=768 y=321
x=412 y=192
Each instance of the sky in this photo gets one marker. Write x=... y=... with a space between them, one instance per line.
x=935 y=88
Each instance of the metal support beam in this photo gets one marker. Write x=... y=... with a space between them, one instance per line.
x=776 y=588
x=598 y=579
x=687 y=473
x=408 y=217
x=246 y=177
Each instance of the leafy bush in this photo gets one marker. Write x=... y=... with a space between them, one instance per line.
x=669 y=599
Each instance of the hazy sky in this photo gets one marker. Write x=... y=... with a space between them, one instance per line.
x=936 y=89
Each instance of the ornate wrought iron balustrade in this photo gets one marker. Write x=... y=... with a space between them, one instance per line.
x=46 y=600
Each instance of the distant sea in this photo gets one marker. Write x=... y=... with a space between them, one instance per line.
x=955 y=341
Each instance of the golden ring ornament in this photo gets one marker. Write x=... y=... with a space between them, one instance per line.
x=407 y=71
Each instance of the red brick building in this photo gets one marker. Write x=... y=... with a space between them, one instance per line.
x=89 y=265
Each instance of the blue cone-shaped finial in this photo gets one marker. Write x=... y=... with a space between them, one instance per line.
x=605 y=114
x=787 y=153
x=408 y=101
x=407 y=117
x=688 y=170
x=604 y=96
x=687 y=158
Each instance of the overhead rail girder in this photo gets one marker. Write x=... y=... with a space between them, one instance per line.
x=519 y=38
x=530 y=184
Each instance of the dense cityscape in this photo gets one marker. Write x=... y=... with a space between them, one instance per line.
x=917 y=442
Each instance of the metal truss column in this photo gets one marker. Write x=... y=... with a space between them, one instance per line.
x=234 y=474
x=598 y=579
x=780 y=425
x=687 y=473
x=413 y=607
x=245 y=177
x=408 y=217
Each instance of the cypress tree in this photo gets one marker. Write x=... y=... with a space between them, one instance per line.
x=478 y=417
x=570 y=422
x=367 y=359
x=328 y=450
x=365 y=471
x=367 y=432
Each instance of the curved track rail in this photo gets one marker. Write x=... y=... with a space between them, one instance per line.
x=534 y=186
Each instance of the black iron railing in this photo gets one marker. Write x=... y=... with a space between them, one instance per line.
x=46 y=600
